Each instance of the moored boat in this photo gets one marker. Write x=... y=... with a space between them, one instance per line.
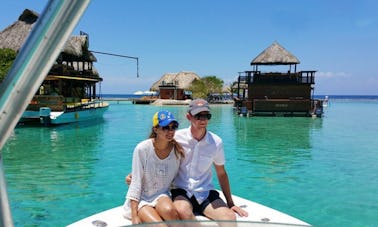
x=68 y=92
x=65 y=99
x=81 y=111
x=325 y=101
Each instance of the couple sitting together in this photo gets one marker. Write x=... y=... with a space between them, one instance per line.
x=171 y=177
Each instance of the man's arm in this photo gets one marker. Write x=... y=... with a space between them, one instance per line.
x=128 y=179
x=225 y=186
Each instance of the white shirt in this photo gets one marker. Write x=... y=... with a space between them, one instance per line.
x=195 y=174
x=152 y=176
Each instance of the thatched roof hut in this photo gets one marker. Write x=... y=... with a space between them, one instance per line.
x=76 y=48
x=275 y=54
x=181 y=80
x=15 y=35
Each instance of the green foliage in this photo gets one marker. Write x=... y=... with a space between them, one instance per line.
x=198 y=89
x=205 y=86
x=7 y=57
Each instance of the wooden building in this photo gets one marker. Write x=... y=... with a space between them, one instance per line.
x=175 y=85
x=278 y=93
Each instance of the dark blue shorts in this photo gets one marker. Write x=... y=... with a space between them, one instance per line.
x=197 y=208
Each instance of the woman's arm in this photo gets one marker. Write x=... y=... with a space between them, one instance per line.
x=134 y=212
x=135 y=188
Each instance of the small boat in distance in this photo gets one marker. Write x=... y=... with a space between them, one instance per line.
x=325 y=101
x=146 y=97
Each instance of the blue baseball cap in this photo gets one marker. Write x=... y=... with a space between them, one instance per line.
x=163 y=118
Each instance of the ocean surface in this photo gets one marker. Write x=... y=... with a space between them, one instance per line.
x=321 y=170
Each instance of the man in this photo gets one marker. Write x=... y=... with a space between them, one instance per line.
x=193 y=191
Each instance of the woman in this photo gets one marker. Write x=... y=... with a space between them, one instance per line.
x=155 y=164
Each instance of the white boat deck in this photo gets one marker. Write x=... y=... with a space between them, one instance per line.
x=259 y=215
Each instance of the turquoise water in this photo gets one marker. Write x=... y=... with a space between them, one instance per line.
x=323 y=171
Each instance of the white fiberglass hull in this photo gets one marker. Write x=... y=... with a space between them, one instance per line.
x=259 y=215
x=65 y=117
x=80 y=115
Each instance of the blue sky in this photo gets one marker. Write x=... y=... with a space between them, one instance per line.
x=339 y=39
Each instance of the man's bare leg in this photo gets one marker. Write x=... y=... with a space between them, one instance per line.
x=218 y=210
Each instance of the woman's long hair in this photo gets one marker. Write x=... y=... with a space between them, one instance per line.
x=179 y=151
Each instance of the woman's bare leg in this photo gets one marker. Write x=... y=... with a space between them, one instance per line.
x=184 y=208
x=149 y=214
x=166 y=209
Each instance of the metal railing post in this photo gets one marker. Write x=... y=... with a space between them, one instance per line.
x=29 y=69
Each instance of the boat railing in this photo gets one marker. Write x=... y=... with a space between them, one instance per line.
x=85 y=104
x=61 y=103
x=55 y=102
x=258 y=77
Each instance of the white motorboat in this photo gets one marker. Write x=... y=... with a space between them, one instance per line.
x=325 y=101
x=25 y=77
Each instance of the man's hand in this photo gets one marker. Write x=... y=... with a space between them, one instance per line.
x=128 y=179
x=241 y=212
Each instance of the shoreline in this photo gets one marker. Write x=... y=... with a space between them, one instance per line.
x=160 y=102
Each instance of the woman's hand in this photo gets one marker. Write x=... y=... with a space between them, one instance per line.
x=136 y=220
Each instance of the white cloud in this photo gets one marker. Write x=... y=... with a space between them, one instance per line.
x=332 y=74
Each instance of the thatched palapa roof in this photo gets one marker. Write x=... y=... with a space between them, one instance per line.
x=182 y=80
x=15 y=35
x=76 y=48
x=275 y=55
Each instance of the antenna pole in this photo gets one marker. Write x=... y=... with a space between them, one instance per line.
x=119 y=55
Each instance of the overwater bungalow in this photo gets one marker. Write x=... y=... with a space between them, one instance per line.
x=68 y=93
x=170 y=89
x=175 y=85
x=278 y=93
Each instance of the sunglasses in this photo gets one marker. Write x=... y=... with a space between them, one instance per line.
x=170 y=128
x=202 y=116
